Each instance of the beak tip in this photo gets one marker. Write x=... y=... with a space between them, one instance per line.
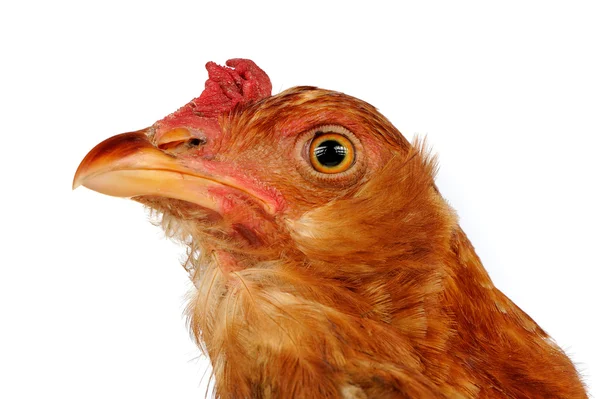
x=78 y=178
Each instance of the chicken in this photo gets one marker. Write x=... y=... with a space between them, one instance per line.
x=326 y=264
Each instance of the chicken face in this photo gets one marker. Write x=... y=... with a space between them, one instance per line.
x=249 y=180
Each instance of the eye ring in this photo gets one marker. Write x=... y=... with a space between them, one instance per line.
x=331 y=152
x=354 y=169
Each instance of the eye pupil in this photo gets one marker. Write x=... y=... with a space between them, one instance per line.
x=330 y=153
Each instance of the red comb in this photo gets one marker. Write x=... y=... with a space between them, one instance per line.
x=242 y=83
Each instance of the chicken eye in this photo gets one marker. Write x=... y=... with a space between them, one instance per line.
x=331 y=153
x=330 y=156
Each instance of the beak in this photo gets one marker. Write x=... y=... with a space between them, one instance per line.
x=128 y=165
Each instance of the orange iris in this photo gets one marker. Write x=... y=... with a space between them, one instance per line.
x=331 y=153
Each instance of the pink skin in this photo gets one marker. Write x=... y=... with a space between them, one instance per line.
x=242 y=83
x=225 y=89
x=236 y=183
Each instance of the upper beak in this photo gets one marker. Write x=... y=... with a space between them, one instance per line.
x=128 y=165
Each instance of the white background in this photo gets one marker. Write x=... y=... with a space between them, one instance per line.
x=91 y=294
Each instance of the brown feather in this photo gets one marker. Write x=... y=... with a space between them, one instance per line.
x=368 y=289
x=357 y=284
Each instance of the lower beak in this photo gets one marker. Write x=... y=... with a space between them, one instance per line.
x=128 y=165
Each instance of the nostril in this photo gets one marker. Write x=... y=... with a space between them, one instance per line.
x=196 y=142
x=178 y=140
